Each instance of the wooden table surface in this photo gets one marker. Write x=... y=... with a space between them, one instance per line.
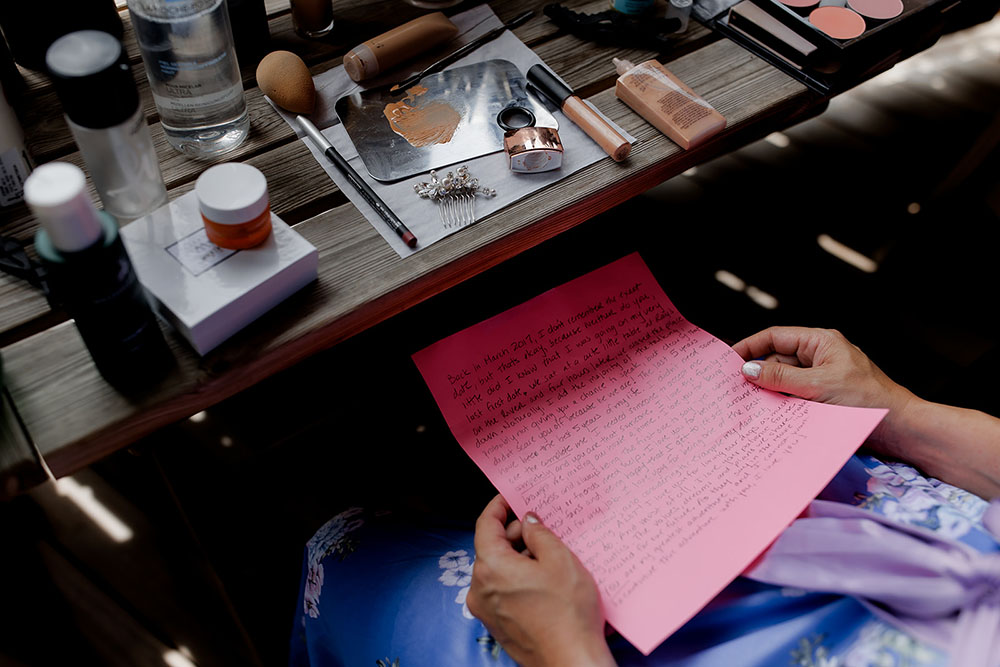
x=73 y=417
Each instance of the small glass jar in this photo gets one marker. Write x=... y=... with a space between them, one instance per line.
x=312 y=18
x=234 y=205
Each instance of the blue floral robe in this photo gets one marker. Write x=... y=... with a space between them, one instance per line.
x=379 y=591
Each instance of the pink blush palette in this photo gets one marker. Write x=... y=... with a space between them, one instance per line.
x=842 y=22
x=831 y=45
x=882 y=10
x=838 y=22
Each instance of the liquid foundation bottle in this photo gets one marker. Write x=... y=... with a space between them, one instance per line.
x=667 y=103
x=391 y=48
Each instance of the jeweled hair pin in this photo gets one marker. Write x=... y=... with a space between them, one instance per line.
x=455 y=194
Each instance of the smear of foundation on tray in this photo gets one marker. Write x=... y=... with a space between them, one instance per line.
x=422 y=125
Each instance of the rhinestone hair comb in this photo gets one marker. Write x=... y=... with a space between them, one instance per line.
x=455 y=195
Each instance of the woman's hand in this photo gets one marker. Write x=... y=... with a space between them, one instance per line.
x=821 y=365
x=958 y=446
x=541 y=604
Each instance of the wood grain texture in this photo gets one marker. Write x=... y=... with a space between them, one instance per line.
x=76 y=418
x=21 y=303
x=275 y=7
x=48 y=136
x=269 y=135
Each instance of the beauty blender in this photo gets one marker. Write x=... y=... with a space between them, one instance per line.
x=284 y=78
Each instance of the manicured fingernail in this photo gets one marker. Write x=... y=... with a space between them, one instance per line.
x=751 y=369
x=530 y=517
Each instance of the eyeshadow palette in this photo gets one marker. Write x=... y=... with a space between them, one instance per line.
x=841 y=23
x=832 y=45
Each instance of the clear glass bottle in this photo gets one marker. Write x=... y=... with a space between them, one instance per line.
x=94 y=82
x=187 y=47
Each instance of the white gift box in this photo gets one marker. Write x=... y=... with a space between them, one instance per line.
x=206 y=292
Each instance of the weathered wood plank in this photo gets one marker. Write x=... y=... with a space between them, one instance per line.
x=298 y=186
x=269 y=133
x=48 y=136
x=276 y=7
x=21 y=303
x=76 y=418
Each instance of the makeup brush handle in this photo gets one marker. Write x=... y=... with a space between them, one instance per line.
x=598 y=129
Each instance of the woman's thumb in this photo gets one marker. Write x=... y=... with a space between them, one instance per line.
x=777 y=376
x=541 y=541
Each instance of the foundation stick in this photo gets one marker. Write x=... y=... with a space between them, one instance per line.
x=588 y=120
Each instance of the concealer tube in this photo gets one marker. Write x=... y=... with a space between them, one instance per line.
x=390 y=48
x=667 y=103
x=588 y=120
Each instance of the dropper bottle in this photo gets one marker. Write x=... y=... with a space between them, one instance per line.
x=91 y=276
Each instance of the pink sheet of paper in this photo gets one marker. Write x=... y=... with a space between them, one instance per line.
x=634 y=436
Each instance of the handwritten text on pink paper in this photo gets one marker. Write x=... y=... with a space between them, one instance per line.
x=634 y=436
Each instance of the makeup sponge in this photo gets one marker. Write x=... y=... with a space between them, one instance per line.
x=284 y=78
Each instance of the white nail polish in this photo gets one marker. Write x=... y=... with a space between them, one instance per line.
x=531 y=518
x=751 y=369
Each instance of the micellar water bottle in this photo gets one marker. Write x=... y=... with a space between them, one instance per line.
x=187 y=47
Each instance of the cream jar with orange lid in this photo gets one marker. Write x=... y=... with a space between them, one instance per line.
x=234 y=205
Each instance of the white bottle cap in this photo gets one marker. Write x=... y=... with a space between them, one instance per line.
x=57 y=194
x=232 y=193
